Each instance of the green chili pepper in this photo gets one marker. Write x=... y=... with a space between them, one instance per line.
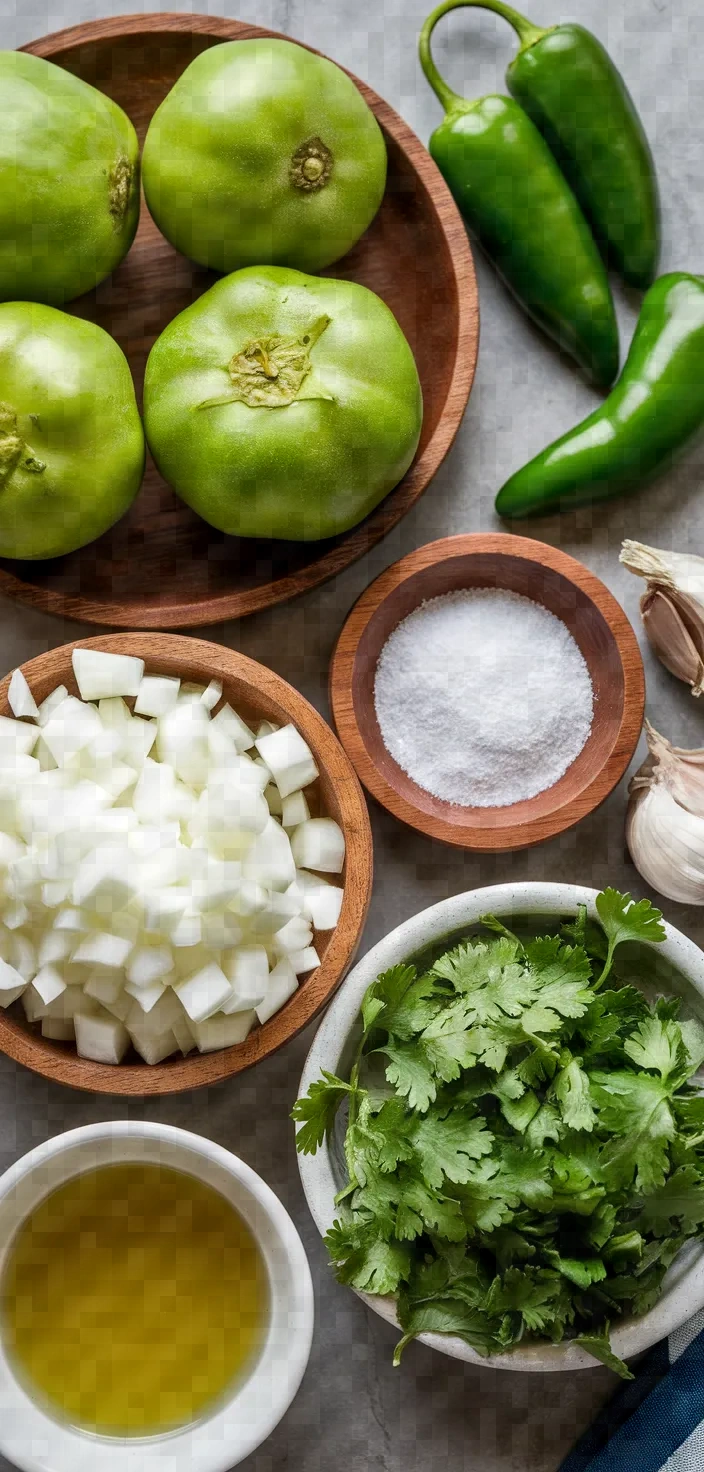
x=524 y=214
x=655 y=409
x=569 y=86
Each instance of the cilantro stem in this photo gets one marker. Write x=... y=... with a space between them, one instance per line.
x=607 y=966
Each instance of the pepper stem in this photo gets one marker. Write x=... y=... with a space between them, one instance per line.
x=527 y=34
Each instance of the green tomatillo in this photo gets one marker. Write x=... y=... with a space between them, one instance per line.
x=261 y=153
x=283 y=405
x=71 y=439
x=69 y=182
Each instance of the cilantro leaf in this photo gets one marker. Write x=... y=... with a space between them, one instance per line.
x=317 y=1110
x=447 y=1044
x=634 y=1108
x=680 y=1197
x=444 y=1316
x=580 y=1271
x=573 y=1093
x=599 y=1346
x=623 y=918
x=447 y=1144
x=408 y=1004
x=490 y=977
x=656 y=1045
x=527 y=1291
x=367 y=1263
x=411 y=1074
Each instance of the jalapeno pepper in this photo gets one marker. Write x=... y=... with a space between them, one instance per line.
x=569 y=86
x=522 y=211
x=650 y=416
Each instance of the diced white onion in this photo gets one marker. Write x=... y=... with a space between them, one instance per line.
x=156 y=695
x=289 y=759
x=99 y=675
x=319 y=843
x=20 y=698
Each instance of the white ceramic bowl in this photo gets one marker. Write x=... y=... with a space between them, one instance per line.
x=681 y=967
x=37 y=1443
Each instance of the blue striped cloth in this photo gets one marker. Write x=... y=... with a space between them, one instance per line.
x=654 y=1423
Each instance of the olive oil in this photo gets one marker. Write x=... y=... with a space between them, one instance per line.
x=133 y=1298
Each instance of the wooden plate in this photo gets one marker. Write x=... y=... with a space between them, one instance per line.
x=258 y=694
x=161 y=566
x=596 y=621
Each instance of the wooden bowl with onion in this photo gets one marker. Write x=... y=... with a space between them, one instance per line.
x=257 y=694
x=596 y=622
x=162 y=567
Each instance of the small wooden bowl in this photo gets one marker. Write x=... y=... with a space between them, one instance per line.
x=162 y=567
x=598 y=625
x=258 y=694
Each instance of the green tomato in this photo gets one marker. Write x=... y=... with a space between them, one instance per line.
x=283 y=405
x=71 y=439
x=69 y=182
x=263 y=152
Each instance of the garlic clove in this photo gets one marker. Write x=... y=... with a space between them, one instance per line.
x=665 y=819
x=671 y=640
x=666 y=844
x=672 y=607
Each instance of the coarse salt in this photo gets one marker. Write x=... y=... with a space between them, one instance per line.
x=483 y=697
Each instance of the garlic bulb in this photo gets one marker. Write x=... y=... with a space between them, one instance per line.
x=665 y=820
x=672 y=608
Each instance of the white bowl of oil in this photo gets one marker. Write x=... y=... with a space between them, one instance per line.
x=156 y=1305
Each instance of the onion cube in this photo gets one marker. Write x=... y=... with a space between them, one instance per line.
x=105 y=880
x=228 y=720
x=156 y=695
x=294 y=810
x=249 y=898
x=34 y=1005
x=211 y=695
x=182 y=741
x=146 y=997
x=49 y=984
x=163 y=909
x=60 y=1029
x=105 y=986
x=152 y=1047
x=220 y=929
x=322 y=901
x=22 y=955
x=282 y=984
x=10 y=849
x=72 y=1001
x=269 y=860
x=138 y=741
x=104 y=1039
x=17 y=739
x=289 y=759
x=266 y=728
x=100 y=675
x=305 y=960
x=52 y=703
x=319 y=843
x=247 y=970
x=114 y=714
x=187 y=931
x=12 y=984
x=72 y=920
x=71 y=727
x=222 y=1032
x=121 y=1007
x=20 y=698
x=101 y=948
x=204 y=993
x=148 y=964
x=54 y=892
x=56 y=945
x=293 y=936
x=15 y=915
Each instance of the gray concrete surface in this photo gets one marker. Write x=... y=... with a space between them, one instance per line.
x=354 y=1410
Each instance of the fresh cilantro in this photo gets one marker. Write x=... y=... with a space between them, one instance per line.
x=599 y=1347
x=623 y=918
x=524 y=1148
x=316 y=1112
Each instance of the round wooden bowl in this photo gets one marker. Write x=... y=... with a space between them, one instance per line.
x=258 y=694
x=161 y=566
x=597 y=623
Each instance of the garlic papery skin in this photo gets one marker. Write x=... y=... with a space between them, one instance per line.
x=665 y=820
x=672 y=607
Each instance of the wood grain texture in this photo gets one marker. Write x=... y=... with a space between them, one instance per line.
x=161 y=566
x=258 y=694
x=600 y=628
